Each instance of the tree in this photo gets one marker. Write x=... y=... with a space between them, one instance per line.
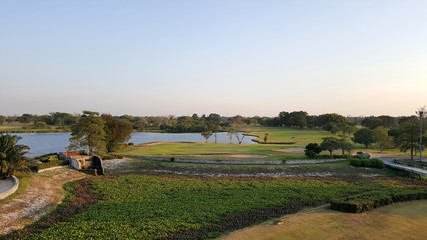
x=88 y=132
x=25 y=118
x=214 y=120
x=327 y=120
x=350 y=129
x=63 y=119
x=40 y=125
x=12 y=155
x=334 y=128
x=230 y=133
x=312 y=149
x=345 y=145
x=265 y=137
x=408 y=135
x=364 y=136
x=382 y=138
x=206 y=134
x=2 y=119
x=329 y=144
x=117 y=131
x=237 y=130
x=388 y=121
x=372 y=122
x=293 y=119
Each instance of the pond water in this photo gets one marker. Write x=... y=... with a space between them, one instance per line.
x=42 y=143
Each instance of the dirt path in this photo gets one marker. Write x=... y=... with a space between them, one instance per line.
x=44 y=192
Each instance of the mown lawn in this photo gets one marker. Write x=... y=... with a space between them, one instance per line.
x=167 y=207
x=301 y=137
x=172 y=149
x=399 y=221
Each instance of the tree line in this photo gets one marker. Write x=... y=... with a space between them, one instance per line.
x=331 y=122
x=403 y=133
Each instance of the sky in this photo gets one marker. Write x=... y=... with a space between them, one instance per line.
x=230 y=57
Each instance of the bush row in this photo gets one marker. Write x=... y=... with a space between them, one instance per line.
x=368 y=201
x=36 y=166
x=373 y=163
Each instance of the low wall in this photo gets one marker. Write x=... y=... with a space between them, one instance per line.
x=12 y=189
x=75 y=164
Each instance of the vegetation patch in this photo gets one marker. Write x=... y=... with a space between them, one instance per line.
x=373 y=163
x=392 y=192
x=171 y=207
x=47 y=161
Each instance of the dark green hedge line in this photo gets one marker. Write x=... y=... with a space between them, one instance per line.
x=373 y=163
x=367 y=201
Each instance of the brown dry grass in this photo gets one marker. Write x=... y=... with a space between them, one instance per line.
x=400 y=221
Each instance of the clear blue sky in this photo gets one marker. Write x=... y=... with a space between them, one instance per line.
x=231 y=57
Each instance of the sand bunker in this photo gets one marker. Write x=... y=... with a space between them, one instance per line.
x=225 y=155
x=290 y=150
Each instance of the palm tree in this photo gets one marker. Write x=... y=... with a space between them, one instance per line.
x=12 y=155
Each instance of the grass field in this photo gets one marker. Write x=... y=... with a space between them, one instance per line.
x=301 y=137
x=172 y=149
x=293 y=149
x=399 y=221
x=170 y=207
x=273 y=151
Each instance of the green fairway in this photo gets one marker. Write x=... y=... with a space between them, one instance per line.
x=291 y=148
x=153 y=207
x=294 y=137
x=272 y=151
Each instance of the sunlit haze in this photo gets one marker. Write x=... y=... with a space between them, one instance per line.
x=229 y=57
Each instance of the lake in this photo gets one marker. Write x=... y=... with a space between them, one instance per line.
x=42 y=143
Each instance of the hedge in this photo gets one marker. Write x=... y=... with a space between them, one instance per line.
x=367 y=201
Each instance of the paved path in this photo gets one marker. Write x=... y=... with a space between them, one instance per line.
x=6 y=184
x=44 y=192
x=389 y=162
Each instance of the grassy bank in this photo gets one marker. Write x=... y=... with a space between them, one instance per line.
x=400 y=221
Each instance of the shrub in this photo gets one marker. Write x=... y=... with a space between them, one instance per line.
x=36 y=166
x=377 y=163
x=355 y=162
x=48 y=157
x=365 y=163
x=310 y=153
x=367 y=201
x=312 y=150
x=83 y=152
x=374 y=163
x=361 y=155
